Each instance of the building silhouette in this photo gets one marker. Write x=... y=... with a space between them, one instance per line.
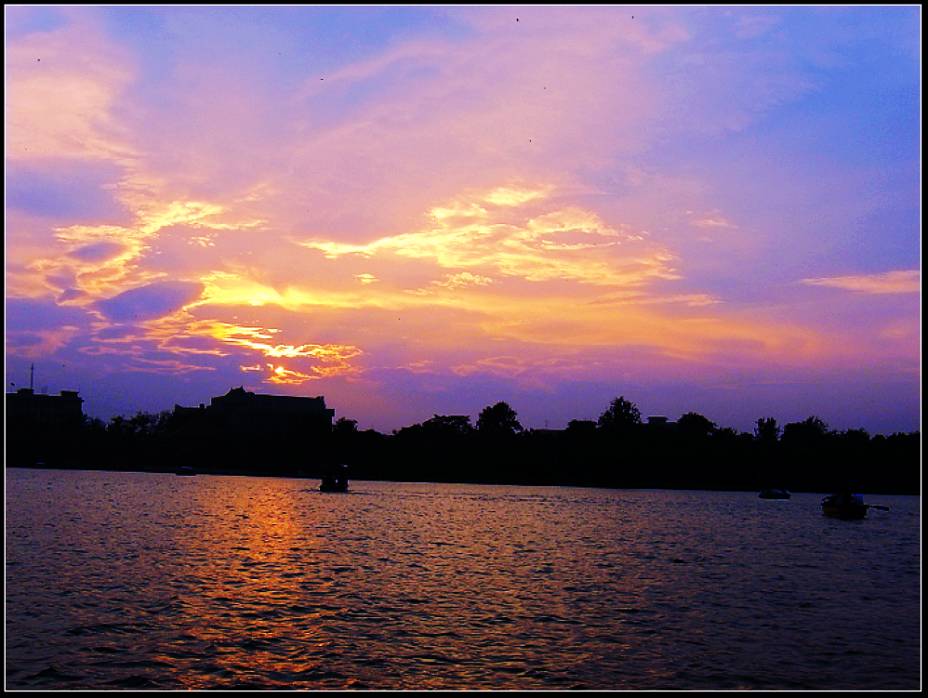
x=239 y=401
x=242 y=427
x=41 y=427
x=249 y=411
x=26 y=409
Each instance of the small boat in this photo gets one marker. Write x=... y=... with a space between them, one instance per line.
x=845 y=506
x=336 y=480
x=185 y=470
x=774 y=493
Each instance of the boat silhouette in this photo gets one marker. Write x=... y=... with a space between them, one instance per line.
x=335 y=480
x=774 y=493
x=844 y=505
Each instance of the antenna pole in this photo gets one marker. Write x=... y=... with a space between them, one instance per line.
x=31 y=376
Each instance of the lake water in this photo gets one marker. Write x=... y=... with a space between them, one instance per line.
x=138 y=580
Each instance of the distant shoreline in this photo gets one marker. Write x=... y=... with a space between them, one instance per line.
x=297 y=476
x=245 y=433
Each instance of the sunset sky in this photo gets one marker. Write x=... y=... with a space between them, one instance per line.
x=414 y=210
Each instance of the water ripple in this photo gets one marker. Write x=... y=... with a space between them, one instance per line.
x=141 y=581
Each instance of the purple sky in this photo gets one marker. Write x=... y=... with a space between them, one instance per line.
x=427 y=210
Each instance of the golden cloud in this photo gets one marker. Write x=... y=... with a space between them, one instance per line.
x=101 y=275
x=570 y=244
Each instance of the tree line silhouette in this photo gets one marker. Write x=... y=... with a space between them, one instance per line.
x=617 y=450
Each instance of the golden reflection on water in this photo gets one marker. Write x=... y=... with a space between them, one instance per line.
x=152 y=581
x=250 y=556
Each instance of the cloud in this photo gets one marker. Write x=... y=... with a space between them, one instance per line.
x=902 y=281
x=102 y=260
x=39 y=328
x=151 y=301
x=468 y=197
x=97 y=252
x=76 y=69
x=41 y=314
x=70 y=294
x=713 y=220
x=462 y=279
x=530 y=243
x=63 y=188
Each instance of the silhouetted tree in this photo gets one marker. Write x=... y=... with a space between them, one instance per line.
x=498 y=420
x=344 y=444
x=94 y=425
x=620 y=416
x=454 y=425
x=693 y=424
x=806 y=432
x=581 y=427
x=856 y=438
x=767 y=430
x=809 y=458
x=728 y=434
x=344 y=427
